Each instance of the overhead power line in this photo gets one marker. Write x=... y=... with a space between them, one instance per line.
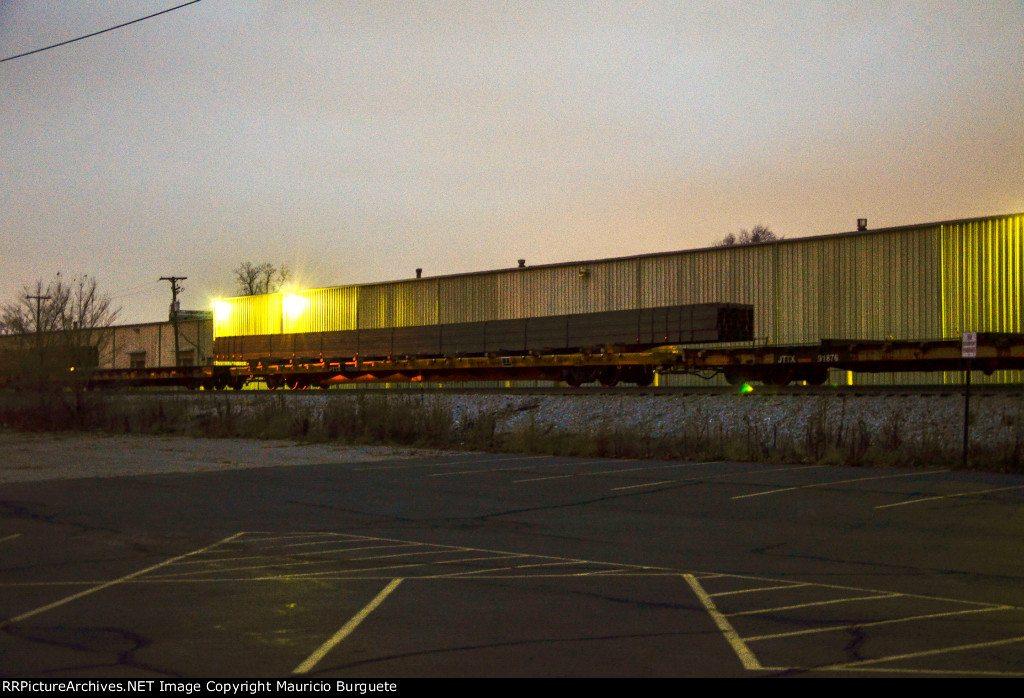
x=102 y=31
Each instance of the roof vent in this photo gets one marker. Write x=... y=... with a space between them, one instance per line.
x=419 y=273
x=862 y=224
x=522 y=263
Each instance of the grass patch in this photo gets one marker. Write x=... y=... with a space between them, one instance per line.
x=824 y=435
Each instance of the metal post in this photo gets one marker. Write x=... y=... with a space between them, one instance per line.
x=968 y=351
x=967 y=412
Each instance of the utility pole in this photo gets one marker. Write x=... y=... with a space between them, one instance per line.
x=39 y=305
x=175 y=290
x=39 y=337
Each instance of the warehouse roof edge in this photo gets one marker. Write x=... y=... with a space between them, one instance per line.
x=664 y=253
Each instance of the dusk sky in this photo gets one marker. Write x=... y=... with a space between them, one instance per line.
x=356 y=141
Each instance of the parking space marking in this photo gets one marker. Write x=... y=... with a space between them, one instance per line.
x=346 y=629
x=927 y=616
x=758 y=590
x=442 y=463
x=383 y=557
x=119 y=580
x=836 y=482
x=335 y=561
x=10 y=537
x=516 y=467
x=932 y=653
x=661 y=467
x=770 y=624
x=702 y=478
x=651 y=484
x=908 y=630
x=756 y=615
x=813 y=604
x=618 y=471
x=747 y=658
x=948 y=496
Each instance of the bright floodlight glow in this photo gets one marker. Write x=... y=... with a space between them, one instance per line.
x=221 y=310
x=294 y=305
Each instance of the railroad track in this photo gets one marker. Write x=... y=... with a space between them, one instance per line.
x=848 y=390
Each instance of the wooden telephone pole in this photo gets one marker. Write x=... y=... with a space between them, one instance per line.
x=175 y=290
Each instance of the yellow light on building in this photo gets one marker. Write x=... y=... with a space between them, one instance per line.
x=293 y=309
x=221 y=316
x=294 y=306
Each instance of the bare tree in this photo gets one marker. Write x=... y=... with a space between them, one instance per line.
x=755 y=236
x=37 y=310
x=255 y=279
x=60 y=321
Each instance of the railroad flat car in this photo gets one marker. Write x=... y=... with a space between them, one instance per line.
x=620 y=330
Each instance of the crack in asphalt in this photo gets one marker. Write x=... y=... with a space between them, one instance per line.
x=97 y=640
x=513 y=643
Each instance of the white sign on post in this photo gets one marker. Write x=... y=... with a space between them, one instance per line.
x=969 y=347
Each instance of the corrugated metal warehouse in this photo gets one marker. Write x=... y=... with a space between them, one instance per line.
x=928 y=281
x=152 y=344
x=140 y=346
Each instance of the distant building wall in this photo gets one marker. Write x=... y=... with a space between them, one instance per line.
x=154 y=343
x=928 y=281
x=150 y=344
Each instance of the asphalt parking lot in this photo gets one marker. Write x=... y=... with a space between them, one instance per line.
x=499 y=565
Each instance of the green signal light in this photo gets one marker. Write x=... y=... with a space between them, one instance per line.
x=746 y=388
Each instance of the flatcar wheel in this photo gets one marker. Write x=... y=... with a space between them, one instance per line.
x=575 y=377
x=609 y=377
x=274 y=382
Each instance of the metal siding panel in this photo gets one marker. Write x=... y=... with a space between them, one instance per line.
x=416 y=303
x=610 y=285
x=248 y=315
x=375 y=306
x=553 y=291
x=479 y=297
x=983 y=281
x=325 y=310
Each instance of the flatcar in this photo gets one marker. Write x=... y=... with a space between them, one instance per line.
x=621 y=331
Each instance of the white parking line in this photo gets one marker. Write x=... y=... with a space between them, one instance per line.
x=747 y=657
x=702 y=478
x=346 y=629
x=815 y=604
x=10 y=537
x=948 y=496
x=512 y=468
x=891 y=621
x=836 y=482
x=443 y=463
x=617 y=471
x=932 y=653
